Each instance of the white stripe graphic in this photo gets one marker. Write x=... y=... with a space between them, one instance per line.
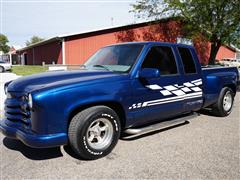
x=192 y=94
x=164 y=102
x=172 y=98
x=180 y=99
x=196 y=80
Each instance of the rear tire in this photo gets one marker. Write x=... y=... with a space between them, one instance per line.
x=224 y=105
x=94 y=132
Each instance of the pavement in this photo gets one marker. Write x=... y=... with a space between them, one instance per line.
x=205 y=148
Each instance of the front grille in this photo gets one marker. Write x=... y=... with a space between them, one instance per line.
x=17 y=108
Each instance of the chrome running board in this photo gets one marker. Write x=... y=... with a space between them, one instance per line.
x=161 y=125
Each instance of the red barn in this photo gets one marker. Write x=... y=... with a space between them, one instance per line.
x=75 y=49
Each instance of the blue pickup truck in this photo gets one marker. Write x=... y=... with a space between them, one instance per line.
x=128 y=88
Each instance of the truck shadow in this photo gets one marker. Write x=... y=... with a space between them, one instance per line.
x=71 y=153
x=208 y=112
x=32 y=153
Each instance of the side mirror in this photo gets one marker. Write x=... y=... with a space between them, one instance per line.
x=148 y=73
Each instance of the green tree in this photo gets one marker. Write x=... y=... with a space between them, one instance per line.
x=33 y=40
x=3 y=43
x=216 y=20
x=234 y=39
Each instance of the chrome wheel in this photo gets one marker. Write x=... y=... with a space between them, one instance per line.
x=227 y=101
x=100 y=134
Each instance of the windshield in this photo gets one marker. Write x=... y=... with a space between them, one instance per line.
x=118 y=58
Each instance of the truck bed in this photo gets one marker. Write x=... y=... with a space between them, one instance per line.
x=215 y=78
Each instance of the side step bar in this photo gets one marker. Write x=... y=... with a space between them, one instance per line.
x=161 y=125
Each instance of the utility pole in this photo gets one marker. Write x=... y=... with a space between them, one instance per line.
x=111 y=21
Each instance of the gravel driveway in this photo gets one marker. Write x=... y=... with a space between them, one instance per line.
x=205 y=148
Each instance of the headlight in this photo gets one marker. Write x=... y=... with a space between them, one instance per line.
x=30 y=101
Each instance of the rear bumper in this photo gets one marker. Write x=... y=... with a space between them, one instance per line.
x=31 y=139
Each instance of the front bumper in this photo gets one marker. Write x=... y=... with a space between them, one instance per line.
x=32 y=139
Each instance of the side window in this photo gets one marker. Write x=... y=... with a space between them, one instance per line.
x=162 y=58
x=187 y=59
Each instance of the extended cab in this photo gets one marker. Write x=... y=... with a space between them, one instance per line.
x=124 y=88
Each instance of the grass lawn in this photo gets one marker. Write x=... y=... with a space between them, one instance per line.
x=28 y=70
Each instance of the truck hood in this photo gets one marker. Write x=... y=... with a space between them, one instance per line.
x=57 y=79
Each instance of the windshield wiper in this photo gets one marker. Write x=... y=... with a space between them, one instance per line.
x=101 y=66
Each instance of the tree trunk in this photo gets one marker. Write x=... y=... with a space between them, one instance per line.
x=213 y=52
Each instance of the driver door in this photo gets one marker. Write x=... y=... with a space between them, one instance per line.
x=158 y=98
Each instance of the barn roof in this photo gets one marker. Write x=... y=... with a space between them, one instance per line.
x=94 y=31
x=52 y=39
x=106 y=30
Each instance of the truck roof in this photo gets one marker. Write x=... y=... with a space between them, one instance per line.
x=153 y=43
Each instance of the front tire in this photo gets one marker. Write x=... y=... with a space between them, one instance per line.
x=94 y=132
x=224 y=105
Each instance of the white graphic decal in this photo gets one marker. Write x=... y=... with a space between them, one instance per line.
x=134 y=106
x=197 y=80
x=188 y=84
x=172 y=99
x=168 y=100
x=176 y=85
x=196 y=89
x=170 y=88
x=198 y=83
x=178 y=92
x=165 y=92
x=186 y=89
x=154 y=87
x=189 y=90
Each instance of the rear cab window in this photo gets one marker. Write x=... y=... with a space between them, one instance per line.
x=187 y=60
x=161 y=58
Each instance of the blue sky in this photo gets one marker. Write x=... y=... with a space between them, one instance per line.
x=21 y=19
